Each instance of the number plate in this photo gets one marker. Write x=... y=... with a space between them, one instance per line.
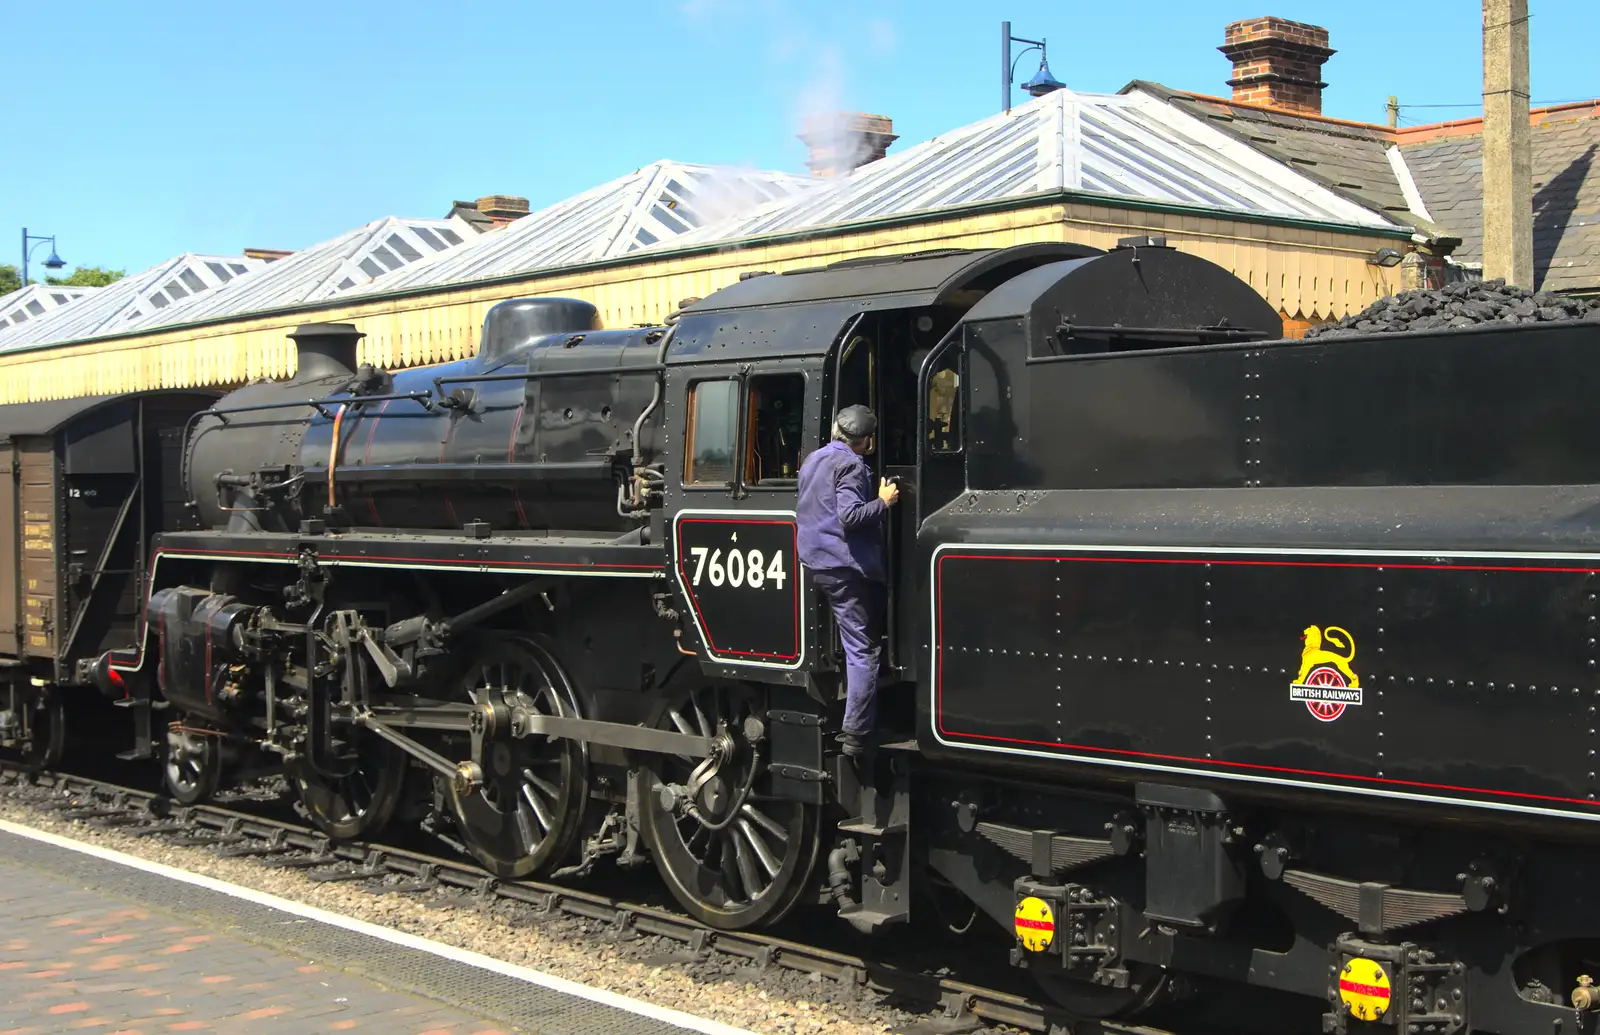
x=740 y=572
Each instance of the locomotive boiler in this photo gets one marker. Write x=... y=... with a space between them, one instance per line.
x=1213 y=658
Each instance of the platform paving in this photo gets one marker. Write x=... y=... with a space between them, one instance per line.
x=89 y=945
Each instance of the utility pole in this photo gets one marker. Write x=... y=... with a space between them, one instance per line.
x=1507 y=154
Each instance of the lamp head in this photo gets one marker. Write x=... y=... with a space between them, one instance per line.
x=1043 y=82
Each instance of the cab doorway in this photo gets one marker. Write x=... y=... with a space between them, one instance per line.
x=878 y=364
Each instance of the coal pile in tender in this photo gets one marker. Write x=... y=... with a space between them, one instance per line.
x=1468 y=304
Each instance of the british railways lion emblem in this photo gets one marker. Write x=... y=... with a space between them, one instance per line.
x=1327 y=683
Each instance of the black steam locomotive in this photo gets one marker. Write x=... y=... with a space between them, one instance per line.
x=1214 y=658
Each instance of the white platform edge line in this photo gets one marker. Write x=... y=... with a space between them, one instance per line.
x=410 y=941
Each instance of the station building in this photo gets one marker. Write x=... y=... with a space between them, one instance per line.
x=1319 y=215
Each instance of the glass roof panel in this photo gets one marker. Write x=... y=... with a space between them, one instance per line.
x=351 y=260
x=122 y=305
x=658 y=203
x=1131 y=146
x=24 y=304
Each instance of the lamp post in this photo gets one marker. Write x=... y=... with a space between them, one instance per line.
x=1041 y=83
x=53 y=263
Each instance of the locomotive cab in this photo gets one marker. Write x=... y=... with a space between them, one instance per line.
x=755 y=373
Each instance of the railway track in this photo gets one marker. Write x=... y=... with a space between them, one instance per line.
x=953 y=1006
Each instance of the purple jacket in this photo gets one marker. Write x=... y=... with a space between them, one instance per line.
x=841 y=518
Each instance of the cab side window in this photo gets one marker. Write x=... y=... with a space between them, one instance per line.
x=772 y=442
x=944 y=405
x=712 y=442
x=857 y=374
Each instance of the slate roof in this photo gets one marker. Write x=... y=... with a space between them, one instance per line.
x=1566 y=196
x=1444 y=162
x=1345 y=157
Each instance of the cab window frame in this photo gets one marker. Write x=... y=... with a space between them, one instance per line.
x=777 y=483
x=933 y=365
x=692 y=429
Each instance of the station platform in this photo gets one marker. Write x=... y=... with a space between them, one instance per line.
x=95 y=941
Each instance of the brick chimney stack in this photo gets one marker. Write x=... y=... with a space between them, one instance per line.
x=502 y=208
x=842 y=141
x=1277 y=63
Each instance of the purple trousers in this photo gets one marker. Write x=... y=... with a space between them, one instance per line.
x=858 y=604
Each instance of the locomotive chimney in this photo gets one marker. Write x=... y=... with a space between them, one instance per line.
x=1277 y=63
x=325 y=349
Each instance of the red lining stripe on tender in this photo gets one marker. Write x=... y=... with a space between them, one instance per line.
x=1217 y=762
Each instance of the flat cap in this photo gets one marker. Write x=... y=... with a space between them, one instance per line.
x=857 y=422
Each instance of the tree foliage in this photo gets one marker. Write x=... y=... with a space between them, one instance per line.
x=83 y=276
x=88 y=276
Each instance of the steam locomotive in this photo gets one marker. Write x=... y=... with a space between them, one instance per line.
x=1212 y=658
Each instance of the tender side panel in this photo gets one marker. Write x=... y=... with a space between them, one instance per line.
x=740 y=573
x=10 y=526
x=40 y=588
x=1465 y=679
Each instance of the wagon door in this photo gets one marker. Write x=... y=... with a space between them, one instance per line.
x=10 y=526
x=38 y=492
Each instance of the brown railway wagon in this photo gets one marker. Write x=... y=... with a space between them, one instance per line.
x=84 y=484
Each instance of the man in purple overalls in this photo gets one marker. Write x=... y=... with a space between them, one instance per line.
x=841 y=531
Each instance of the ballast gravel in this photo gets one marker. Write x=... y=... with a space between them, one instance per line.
x=656 y=970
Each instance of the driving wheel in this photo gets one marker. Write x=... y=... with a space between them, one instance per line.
x=524 y=816
x=732 y=857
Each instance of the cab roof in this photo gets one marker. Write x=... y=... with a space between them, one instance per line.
x=905 y=281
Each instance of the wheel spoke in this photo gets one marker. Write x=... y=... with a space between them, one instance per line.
x=745 y=860
x=763 y=853
x=765 y=822
x=550 y=790
x=683 y=724
x=525 y=828
x=539 y=809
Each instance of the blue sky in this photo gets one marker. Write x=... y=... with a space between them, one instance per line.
x=138 y=130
